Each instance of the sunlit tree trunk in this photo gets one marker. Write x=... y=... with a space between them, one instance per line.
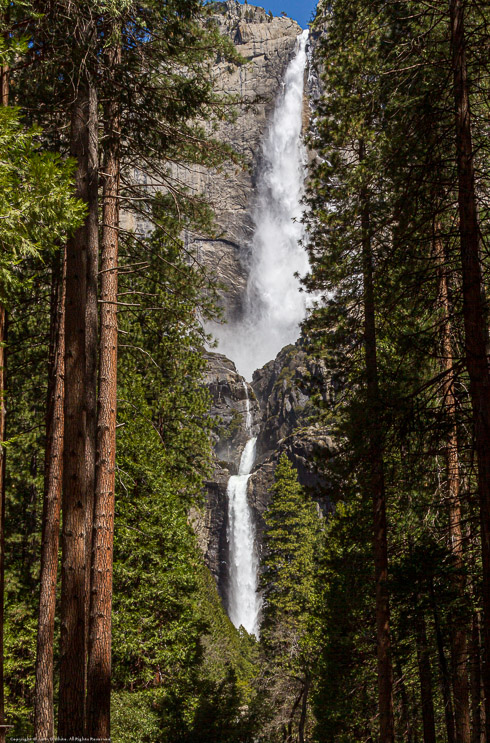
x=99 y=658
x=53 y=469
x=91 y=334
x=76 y=498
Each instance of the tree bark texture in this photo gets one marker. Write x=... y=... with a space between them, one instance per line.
x=53 y=475
x=99 y=658
x=459 y=641
x=91 y=335
x=74 y=500
x=474 y=312
x=3 y=416
x=377 y=484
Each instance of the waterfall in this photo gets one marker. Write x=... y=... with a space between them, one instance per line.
x=274 y=308
x=274 y=305
x=243 y=597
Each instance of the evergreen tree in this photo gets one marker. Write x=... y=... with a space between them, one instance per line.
x=288 y=632
x=38 y=211
x=385 y=69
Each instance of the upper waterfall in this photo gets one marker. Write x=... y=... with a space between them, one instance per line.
x=274 y=305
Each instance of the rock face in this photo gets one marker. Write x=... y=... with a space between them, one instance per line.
x=280 y=404
x=229 y=393
x=267 y=44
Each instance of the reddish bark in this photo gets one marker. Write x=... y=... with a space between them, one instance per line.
x=53 y=475
x=74 y=501
x=99 y=657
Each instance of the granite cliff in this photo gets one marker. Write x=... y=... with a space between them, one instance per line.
x=280 y=396
x=267 y=44
x=280 y=393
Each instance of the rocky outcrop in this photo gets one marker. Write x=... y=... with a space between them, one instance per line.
x=266 y=44
x=280 y=405
x=284 y=387
x=229 y=392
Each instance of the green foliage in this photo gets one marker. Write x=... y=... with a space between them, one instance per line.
x=347 y=666
x=37 y=212
x=37 y=209
x=289 y=631
x=177 y=658
x=290 y=539
x=386 y=174
x=163 y=435
x=234 y=426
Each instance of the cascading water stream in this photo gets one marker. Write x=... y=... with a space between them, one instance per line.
x=274 y=305
x=243 y=597
x=274 y=309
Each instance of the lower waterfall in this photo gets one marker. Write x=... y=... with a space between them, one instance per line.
x=243 y=596
x=274 y=309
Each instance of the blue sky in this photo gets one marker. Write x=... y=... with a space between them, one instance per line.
x=300 y=10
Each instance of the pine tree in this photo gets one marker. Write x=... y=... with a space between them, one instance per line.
x=291 y=543
x=38 y=210
x=385 y=68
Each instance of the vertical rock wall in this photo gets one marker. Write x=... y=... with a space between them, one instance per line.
x=267 y=44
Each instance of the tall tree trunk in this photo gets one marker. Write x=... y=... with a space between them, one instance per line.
x=99 y=658
x=3 y=416
x=91 y=337
x=425 y=676
x=377 y=484
x=406 y=718
x=53 y=474
x=475 y=677
x=474 y=311
x=4 y=85
x=459 y=642
x=445 y=681
x=74 y=501
x=304 y=712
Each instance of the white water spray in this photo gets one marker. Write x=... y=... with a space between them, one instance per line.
x=243 y=597
x=274 y=306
